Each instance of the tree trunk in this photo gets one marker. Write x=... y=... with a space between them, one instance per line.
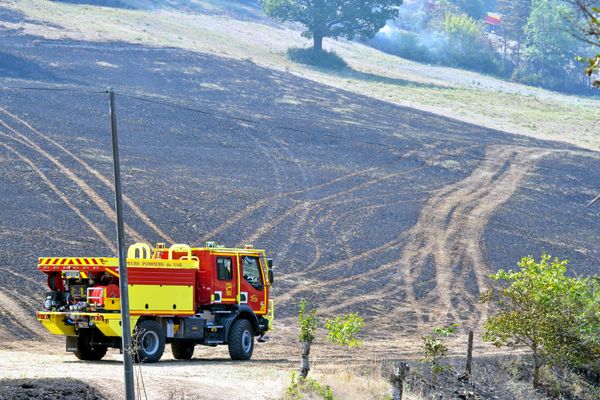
x=467 y=374
x=305 y=364
x=536 y=368
x=318 y=42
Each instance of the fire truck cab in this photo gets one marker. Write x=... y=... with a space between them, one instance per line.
x=184 y=296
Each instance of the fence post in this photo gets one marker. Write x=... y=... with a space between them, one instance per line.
x=396 y=378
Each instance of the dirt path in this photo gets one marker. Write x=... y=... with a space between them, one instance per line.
x=449 y=233
x=201 y=378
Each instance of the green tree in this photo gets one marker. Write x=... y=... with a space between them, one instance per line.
x=307 y=322
x=474 y=8
x=467 y=44
x=515 y=14
x=556 y=316
x=550 y=50
x=334 y=18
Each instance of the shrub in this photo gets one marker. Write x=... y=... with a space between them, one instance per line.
x=409 y=46
x=300 y=386
x=344 y=328
x=435 y=349
x=467 y=44
x=317 y=58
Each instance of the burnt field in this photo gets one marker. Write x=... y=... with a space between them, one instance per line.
x=366 y=206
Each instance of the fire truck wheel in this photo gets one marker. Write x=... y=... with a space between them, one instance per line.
x=149 y=340
x=88 y=352
x=241 y=340
x=182 y=350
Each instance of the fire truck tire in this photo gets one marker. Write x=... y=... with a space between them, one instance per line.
x=241 y=340
x=87 y=352
x=182 y=350
x=149 y=340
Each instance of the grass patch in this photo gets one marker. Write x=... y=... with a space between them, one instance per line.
x=317 y=58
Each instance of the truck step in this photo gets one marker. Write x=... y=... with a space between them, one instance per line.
x=213 y=342
x=215 y=326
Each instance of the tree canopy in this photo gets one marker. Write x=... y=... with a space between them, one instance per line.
x=589 y=11
x=334 y=18
x=550 y=49
x=556 y=316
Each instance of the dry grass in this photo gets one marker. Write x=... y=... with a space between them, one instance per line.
x=463 y=95
x=350 y=382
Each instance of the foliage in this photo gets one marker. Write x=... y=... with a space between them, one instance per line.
x=435 y=349
x=515 y=14
x=334 y=18
x=589 y=11
x=474 y=8
x=300 y=386
x=307 y=321
x=467 y=45
x=556 y=316
x=409 y=46
x=323 y=59
x=550 y=50
x=344 y=328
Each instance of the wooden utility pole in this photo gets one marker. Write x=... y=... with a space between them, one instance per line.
x=123 y=285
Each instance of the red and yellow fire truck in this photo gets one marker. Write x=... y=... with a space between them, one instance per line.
x=179 y=295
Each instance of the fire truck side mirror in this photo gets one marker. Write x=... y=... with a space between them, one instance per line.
x=271 y=276
x=270 y=264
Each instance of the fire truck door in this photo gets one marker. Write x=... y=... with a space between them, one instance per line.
x=252 y=287
x=225 y=283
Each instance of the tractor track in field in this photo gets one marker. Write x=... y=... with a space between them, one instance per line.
x=22 y=324
x=70 y=173
x=441 y=269
x=248 y=210
x=85 y=188
x=61 y=195
x=450 y=230
x=303 y=205
x=300 y=223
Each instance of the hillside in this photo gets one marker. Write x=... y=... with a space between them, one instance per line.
x=365 y=204
x=239 y=30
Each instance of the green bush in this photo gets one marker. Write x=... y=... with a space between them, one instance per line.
x=467 y=46
x=409 y=46
x=308 y=322
x=299 y=387
x=322 y=59
x=435 y=349
x=343 y=329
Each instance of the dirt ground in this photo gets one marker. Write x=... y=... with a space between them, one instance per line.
x=210 y=375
